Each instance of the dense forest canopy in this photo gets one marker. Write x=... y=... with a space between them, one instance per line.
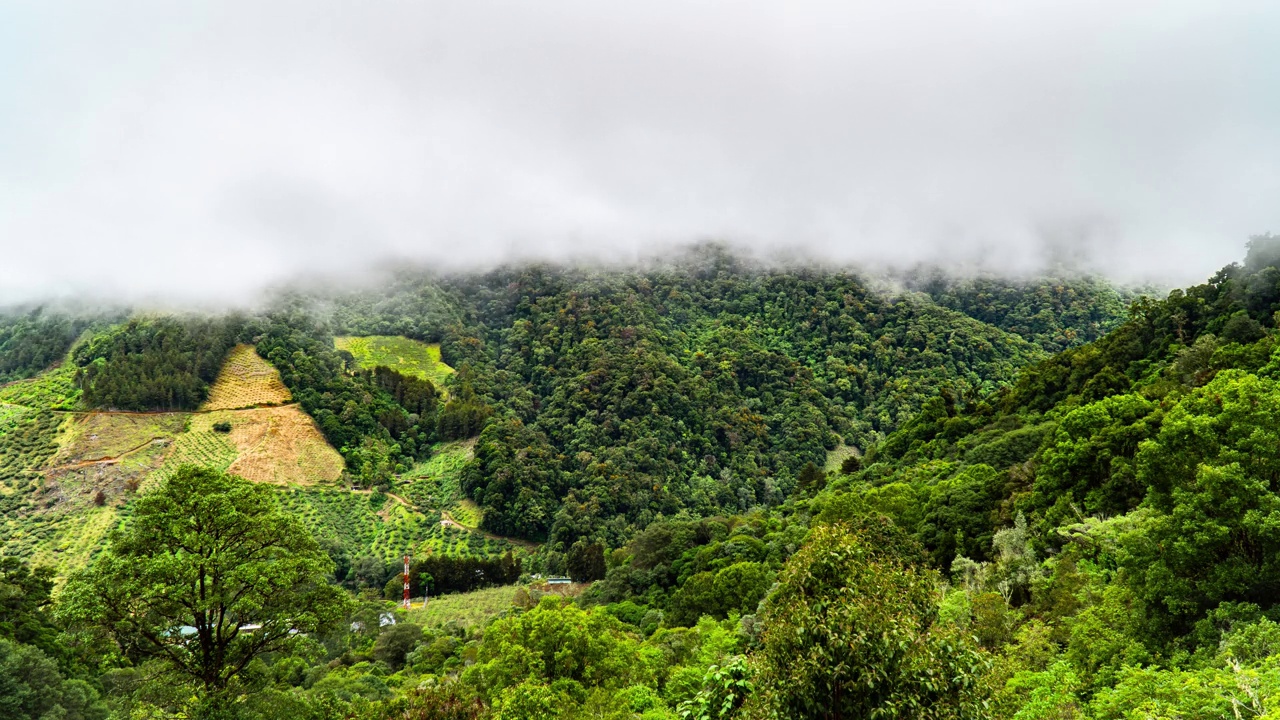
x=709 y=383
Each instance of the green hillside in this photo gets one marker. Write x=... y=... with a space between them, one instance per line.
x=770 y=486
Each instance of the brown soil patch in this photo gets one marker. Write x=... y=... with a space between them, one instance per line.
x=279 y=445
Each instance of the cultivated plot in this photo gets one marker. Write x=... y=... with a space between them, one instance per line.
x=105 y=437
x=246 y=381
x=408 y=357
x=279 y=445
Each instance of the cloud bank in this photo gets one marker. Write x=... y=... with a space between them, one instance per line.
x=203 y=151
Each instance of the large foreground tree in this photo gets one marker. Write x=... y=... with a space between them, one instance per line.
x=209 y=575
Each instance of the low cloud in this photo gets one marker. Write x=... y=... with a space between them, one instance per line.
x=179 y=151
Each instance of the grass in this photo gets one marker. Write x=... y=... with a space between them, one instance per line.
x=246 y=381
x=409 y=357
x=435 y=483
x=279 y=445
x=837 y=456
x=466 y=609
x=55 y=388
x=467 y=513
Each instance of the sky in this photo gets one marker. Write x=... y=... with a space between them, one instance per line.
x=205 y=151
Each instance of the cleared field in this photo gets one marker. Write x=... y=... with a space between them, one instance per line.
x=837 y=456
x=102 y=436
x=246 y=381
x=466 y=609
x=408 y=357
x=279 y=445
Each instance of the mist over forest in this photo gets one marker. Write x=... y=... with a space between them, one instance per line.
x=668 y=361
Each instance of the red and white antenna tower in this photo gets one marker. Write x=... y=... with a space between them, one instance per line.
x=406 y=582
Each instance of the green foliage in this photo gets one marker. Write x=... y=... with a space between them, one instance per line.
x=359 y=413
x=851 y=631
x=395 y=642
x=1090 y=456
x=958 y=514
x=53 y=389
x=1212 y=471
x=586 y=562
x=1054 y=313
x=32 y=688
x=516 y=478
x=34 y=339
x=25 y=597
x=724 y=690
x=706 y=386
x=400 y=354
x=558 y=643
x=160 y=363
x=440 y=701
x=206 y=555
x=736 y=589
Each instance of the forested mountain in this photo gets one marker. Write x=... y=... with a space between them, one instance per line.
x=704 y=385
x=796 y=492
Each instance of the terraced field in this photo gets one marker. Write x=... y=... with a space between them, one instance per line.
x=203 y=447
x=246 y=381
x=408 y=357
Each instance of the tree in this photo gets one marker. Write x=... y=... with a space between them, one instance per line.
x=850 y=633
x=32 y=688
x=397 y=641
x=24 y=601
x=558 y=642
x=210 y=575
x=586 y=561
x=737 y=588
x=1213 y=530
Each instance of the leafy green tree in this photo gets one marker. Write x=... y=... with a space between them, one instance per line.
x=850 y=632
x=25 y=597
x=958 y=518
x=209 y=575
x=395 y=642
x=738 y=588
x=557 y=642
x=440 y=701
x=586 y=561
x=1214 y=531
x=1090 y=457
x=32 y=688
x=724 y=690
